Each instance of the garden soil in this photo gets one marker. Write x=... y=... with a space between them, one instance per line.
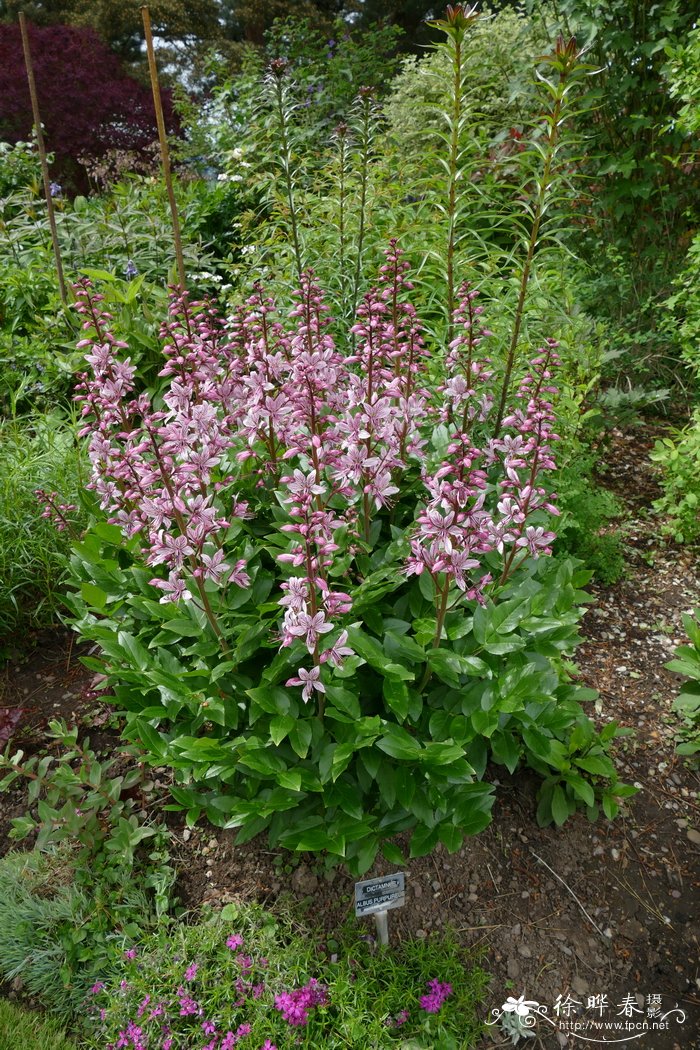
x=603 y=915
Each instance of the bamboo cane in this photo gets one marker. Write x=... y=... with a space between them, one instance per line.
x=164 y=153
x=42 y=155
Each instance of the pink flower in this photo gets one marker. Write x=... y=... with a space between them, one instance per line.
x=294 y=1006
x=432 y=1002
x=234 y=941
x=310 y=681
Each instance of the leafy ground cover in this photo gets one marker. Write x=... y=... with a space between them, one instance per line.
x=638 y=878
x=21 y=1028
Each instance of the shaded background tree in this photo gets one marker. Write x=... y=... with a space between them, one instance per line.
x=89 y=105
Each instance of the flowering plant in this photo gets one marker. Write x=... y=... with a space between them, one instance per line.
x=320 y=591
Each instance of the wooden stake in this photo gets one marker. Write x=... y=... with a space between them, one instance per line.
x=164 y=154
x=42 y=155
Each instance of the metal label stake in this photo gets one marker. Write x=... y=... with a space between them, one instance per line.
x=377 y=897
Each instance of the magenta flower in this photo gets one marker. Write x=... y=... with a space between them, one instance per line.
x=294 y=1006
x=191 y=972
x=234 y=941
x=433 y=1002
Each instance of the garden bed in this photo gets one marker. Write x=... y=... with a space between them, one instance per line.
x=608 y=909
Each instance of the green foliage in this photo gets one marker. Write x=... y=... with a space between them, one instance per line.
x=59 y=936
x=687 y=704
x=30 y=1030
x=682 y=323
x=390 y=754
x=636 y=145
x=584 y=529
x=92 y=806
x=679 y=458
x=110 y=236
x=36 y=453
x=499 y=52
x=366 y=990
x=19 y=168
x=683 y=73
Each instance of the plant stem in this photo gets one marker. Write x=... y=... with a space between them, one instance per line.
x=365 y=144
x=564 y=60
x=283 y=119
x=439 y=624
x=452 y=182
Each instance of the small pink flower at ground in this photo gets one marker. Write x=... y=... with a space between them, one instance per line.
x=208 y=1027
x=267 y=1045
x=191 y=972
x=234 y=941
x=97 y=987
x=294 y=1006
x=432 y=1003
x=130 y=953
x=142 y=1007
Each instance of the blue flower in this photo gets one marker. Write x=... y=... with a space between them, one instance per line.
x=130 y=270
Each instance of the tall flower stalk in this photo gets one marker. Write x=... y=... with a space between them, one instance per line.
x=278 y=88
x=364 y=131
x=567 y=69
x=455 y=25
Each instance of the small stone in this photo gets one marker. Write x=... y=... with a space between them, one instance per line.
x=516 y=930
x=421 y=934
x=524 y=895
x=417 y=890
x=436 y=886
x=513 y=968
x=693 y=836
x=579 y=985
x=524 y=951
x=213 y=844
x=615 y=853
x=186 y=835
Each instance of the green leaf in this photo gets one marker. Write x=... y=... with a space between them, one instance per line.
x=582 y=788
x=505 y=750
x=451 y=837
x=138 y=655
x=450 y=667
x=149 y=737
x=402 y=647
x=397 y=698
x=343 y=700
x=596 y=764
x=182 y=627
x=393 y=854
x=423 y=840
x=560 y=806
x=280 y=727
x=300 y=738
x=93 y=595
x=397 y=743
x=366 y=853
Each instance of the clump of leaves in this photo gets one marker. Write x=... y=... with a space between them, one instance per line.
x=245 y=973
x=586 y=528
x=687 y=704
x=678 y=456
